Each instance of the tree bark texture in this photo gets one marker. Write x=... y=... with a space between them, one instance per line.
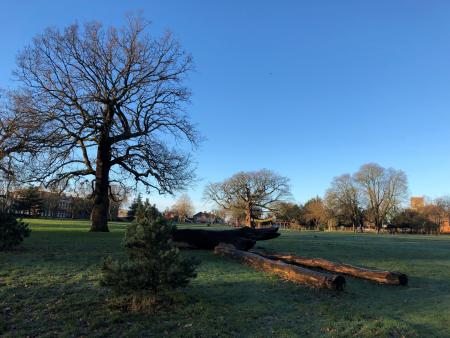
x=99 y=215
x=380 y=276
x=286 y=271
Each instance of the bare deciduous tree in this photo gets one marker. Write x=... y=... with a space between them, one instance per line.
x=434 y=213
x=10 y=143
x=444 y=203
x=343 y=198
x=109 y=103
x=250 y=192
x=183 y=207
x=315 y=212
x=10 y=147
x=383 y=191
x=5 y=146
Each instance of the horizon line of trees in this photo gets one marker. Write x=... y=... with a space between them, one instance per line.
x=373 y=197
x=33 y=201
x=316 y=215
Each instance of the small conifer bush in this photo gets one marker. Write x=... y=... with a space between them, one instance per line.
x=154 y=265
x=12 y=231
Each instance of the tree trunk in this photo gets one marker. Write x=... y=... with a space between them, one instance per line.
x=248 y=217
x=380 y=276
x=99 y=215
x=378 y=223
x=242 y=238
x=287 y=271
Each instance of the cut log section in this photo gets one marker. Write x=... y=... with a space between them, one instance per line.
x=380 y=276
x=286 y=271
x=242 y=238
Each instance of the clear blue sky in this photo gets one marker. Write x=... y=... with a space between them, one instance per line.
x=310 y=89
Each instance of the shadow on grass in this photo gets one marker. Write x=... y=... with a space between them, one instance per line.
x=51 y=288
x=240 y=305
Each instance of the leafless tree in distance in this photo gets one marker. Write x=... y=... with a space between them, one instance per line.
x=383 y=191
x=344 y=199
x=315 y=212
x=251 y=192
x=183 y=207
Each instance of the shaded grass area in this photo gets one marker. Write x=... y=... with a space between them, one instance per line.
x=49 y=287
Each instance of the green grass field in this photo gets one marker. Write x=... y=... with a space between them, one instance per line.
x=49 y=287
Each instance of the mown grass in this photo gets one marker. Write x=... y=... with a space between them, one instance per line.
x=50 y=287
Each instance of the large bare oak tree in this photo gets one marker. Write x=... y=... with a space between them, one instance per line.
x=110 y=104
x=251 y=192
x=383 y=191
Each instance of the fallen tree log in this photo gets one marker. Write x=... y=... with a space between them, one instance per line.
x=242 y=238
x=286 y=271
x=380 y=276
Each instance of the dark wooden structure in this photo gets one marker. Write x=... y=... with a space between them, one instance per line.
x=242 y=238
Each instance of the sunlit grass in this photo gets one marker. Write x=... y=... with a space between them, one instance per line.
x=49 y=287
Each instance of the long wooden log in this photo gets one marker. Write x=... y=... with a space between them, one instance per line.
x=380 y=276
x=286 y=271
x=242 y=238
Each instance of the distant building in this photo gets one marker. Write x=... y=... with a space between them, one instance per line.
x=122 y=214
x=206 y=217
x=42 y=203
x=56 y=205
x=417 y=202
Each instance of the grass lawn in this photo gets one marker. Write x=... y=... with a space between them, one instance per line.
x=49 y=287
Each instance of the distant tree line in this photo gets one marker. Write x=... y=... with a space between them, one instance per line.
x=34 y=201
x=372 y=198
x=182 y=211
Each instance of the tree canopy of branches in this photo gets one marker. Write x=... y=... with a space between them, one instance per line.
x=251 y=192
x=110 y=104
x=10 y=146
x=183 y=207
x=383 y=191
x=28 y=201
x=289 y=212
x=6 y=147
x=444 y=204
x=416 y=221
x=10 y=143
x=343 y=200
x=434 y=213
x=315 y=213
